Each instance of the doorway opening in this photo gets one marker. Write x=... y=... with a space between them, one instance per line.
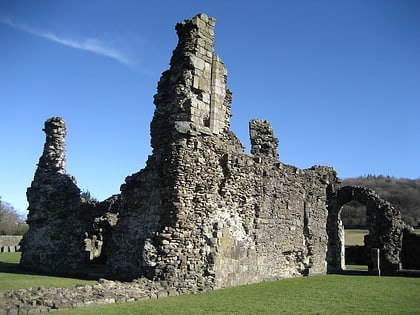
x=353 y=217
x=383 y=242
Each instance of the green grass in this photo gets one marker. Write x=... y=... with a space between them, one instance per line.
x=12 y=258
x=357 y=267
x=11 y=277
x=331 y=294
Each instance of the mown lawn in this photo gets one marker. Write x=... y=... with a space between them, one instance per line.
x=11 y=277
x=330 y=294
x=357 y=267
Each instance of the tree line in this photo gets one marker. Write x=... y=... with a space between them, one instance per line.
x=402 y=193
x=11 y=223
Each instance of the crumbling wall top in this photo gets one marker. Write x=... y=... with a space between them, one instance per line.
x=262 y=138
x=53 y=158
x=192 y=95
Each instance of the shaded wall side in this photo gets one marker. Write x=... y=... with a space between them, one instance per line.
x=146 y=203
x=410 y=253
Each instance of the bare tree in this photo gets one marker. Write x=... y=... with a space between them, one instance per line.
x=11 y=223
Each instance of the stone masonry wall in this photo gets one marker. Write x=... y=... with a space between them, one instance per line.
x=192 y=102
x=203 y=213
x=54 y=242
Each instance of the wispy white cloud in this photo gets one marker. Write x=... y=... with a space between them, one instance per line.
x=92 y=45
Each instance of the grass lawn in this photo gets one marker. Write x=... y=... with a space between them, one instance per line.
x=357 y=267
x=330 y=294
x=12 y=278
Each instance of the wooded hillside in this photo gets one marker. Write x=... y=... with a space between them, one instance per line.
x=402 y=193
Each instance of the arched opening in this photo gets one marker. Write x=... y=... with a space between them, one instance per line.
x=384 y=223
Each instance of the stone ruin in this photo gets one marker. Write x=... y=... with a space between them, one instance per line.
x=202 y=214
x=383 y=222
x=10 y=243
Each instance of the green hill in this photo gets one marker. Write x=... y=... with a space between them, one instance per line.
x=402 y=193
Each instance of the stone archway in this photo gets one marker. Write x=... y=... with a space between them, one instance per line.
x=383 y=221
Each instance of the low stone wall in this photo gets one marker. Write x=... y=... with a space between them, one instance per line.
x=10 y=243
x=28 y=301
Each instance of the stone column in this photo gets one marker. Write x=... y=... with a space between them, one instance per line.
x=375 y=257
x=53 y=158
x=54 y=241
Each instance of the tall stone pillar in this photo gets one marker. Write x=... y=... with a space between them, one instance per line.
x=192 y=96
x=190 y=125
x=54 y=242
x=53 y=158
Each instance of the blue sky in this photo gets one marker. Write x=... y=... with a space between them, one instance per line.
x=338 y=80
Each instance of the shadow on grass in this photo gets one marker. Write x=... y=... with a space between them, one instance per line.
x=92 y=272
x=10 y=267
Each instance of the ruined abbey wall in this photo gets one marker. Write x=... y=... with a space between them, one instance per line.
x=202 y=213
x=60 y=221
x=55 y=217
x=386 y=229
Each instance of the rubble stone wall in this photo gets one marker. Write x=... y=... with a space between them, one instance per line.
x=10 y=243
x=54 y=241
x=203 y=213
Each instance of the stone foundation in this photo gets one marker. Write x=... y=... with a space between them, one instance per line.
x=33 y=301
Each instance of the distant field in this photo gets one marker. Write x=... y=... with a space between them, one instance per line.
x=355 y=237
